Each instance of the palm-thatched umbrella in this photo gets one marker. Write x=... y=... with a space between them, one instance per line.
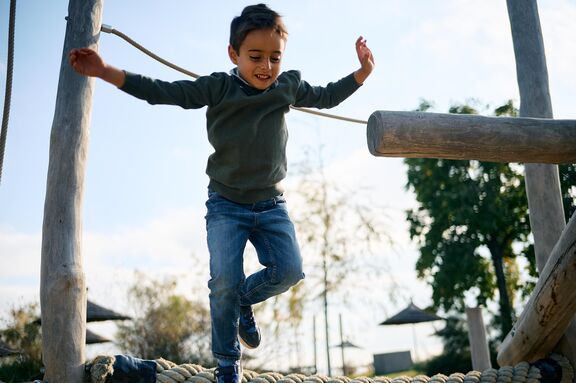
x=97 y=313
x=93 y=338
x=411 y=315
x=346 y=344
x=343 y=345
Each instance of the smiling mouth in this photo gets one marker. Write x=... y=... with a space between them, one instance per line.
x=262 y=77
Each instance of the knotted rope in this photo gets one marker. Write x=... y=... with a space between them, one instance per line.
x=555 y=369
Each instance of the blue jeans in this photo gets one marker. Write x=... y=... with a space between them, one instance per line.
x=229 y=226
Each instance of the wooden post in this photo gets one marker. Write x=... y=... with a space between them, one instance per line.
x=62 y=284
x=551 y=307
x=477 y=337
x=457 y=136
x=542 y=181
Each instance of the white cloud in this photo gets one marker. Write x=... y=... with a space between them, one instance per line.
x=20 y=253
x=172 y=244
x=20 y=268
x=559 y=29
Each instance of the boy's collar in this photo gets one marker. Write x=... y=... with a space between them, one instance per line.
x=246 y=86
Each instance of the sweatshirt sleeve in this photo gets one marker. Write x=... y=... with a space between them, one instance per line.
x=325 y=97
x=206 y=90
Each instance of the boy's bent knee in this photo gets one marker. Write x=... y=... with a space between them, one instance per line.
x=293 y=275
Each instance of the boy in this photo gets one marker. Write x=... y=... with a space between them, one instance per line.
x=246 y=127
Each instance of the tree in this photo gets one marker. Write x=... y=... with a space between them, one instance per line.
x=456 y=355
x=471 y=224
x=166 y=324
x=339 y=235
x=568 y=186
x=23 y=334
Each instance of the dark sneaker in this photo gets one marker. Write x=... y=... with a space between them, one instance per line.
x=247 y=330
x=229 y=374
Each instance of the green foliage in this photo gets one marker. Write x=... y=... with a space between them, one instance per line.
x=456 y=355
x=568 y=185
x=471 y=220
x=22 y=334
x=166 y=324
x=471 y=224
x=19 y=369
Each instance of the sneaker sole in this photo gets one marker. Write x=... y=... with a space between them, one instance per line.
x=246 y=344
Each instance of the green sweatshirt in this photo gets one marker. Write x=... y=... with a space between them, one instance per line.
x=246 y=126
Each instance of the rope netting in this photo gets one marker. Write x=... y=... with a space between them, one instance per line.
x=554 y=369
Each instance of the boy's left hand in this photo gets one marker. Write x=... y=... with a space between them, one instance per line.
x=366 y=60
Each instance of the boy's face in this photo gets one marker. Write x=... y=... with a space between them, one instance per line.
x=259 y=58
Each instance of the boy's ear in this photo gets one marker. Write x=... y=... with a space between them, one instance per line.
x=233 y=55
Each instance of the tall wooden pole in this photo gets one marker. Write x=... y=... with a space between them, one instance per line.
x=62 y=284
x=326 y=321
x=314 y=344
x=542 y=181
x=342 y=345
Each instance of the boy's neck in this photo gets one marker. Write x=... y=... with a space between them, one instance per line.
x=245 y=85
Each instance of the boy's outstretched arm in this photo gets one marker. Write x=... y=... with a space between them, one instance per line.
x=366 y=61
x=87 y=62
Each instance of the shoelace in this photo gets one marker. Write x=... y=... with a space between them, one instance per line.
x=248 y=319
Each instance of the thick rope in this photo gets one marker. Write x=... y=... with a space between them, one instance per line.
x=108 y=29
x=168 y=372
x=8 y=91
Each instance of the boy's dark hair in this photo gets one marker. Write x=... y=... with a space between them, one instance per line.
x=255 y=17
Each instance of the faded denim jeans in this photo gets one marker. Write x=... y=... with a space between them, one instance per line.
x=229 y=226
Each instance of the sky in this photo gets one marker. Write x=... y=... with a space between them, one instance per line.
x=145 y=183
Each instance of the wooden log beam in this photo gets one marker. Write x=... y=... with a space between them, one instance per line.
x=551 y=307
x=472 y=137
x=62 y=282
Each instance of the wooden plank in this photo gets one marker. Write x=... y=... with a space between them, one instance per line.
x=457 y=136
x=477 y=338
x=551 y=307
x=62 y=283
x=542 y=181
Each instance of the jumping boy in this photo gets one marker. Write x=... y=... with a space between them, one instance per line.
x=246 y=127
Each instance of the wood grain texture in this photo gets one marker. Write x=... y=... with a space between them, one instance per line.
x=62 y=283
x=551 y=307
x=542 y=181
x=471 y=137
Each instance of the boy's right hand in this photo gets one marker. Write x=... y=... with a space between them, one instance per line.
x=88 y=62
